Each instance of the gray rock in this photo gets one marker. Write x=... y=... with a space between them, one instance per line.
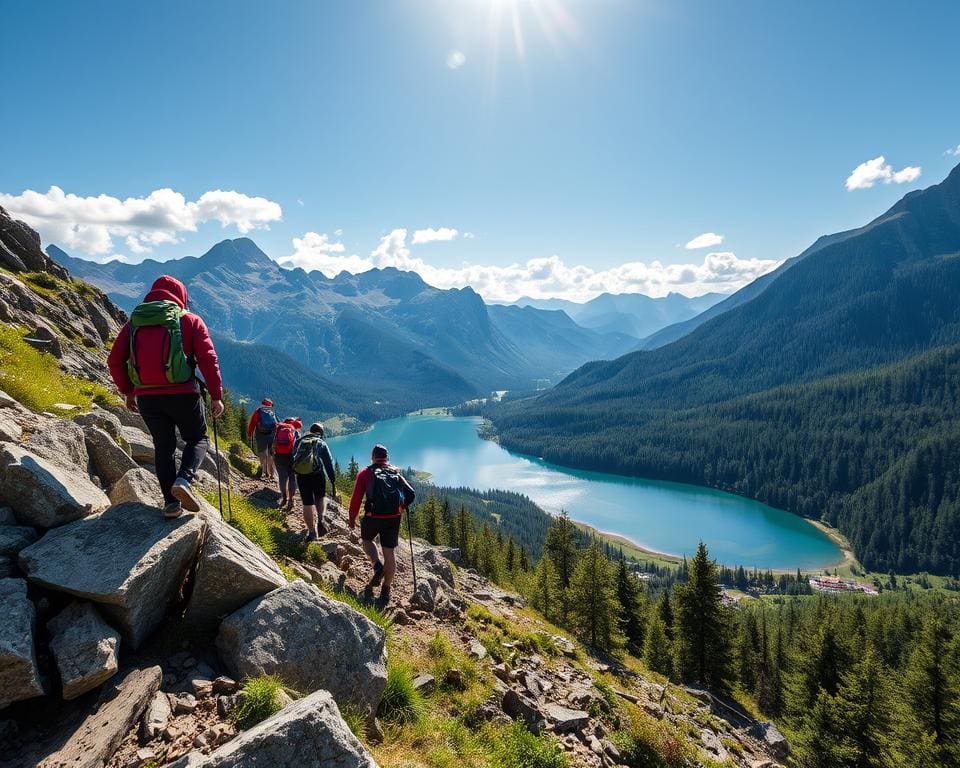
x=19 y=678
x=126 y=417
x=61 y=442
x=332 y=576
x=137 y=485
x=713 y=745
x=184 y=703
x=119 y=708
x=775 y=742
x=227 y=703
x=129 y=560
x=477 y=649
x=156 y=717
x=11 y=430
x=425 y=682
x=231 y=571
x=565 y=720
x=13 y=538
x=438 y=565
x=6 y=401
x=451 y=553
x=424 y=598
x=101 y=419
x=43 y=493
x=309 y=733
x=7 y=517
x=519 y=705
x=8 y=566
x=310 y=642
x=141 y=444
x=110 y=461
x=85 y=648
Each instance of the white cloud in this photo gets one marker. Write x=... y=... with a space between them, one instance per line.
x=869 y=173
x=89 y=224
x=955 y=151
x=315 y=251
x=468 y=235
x=544 y=277
x=430 y=235
x=706 y=240
x=300 y=202
x=456 y=59
x=338 y=232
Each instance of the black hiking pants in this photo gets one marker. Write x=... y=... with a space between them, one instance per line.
x=164 y=416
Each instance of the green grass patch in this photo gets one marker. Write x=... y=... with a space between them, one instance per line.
x=369 y=610
x=264 y=526
x=314 y=554
x=482 y=615
x=516 y=747
x=401 y=702
x=34 y=378
x=355 y=719
x=260 y=700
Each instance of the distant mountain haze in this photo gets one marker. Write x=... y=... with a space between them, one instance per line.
x=744 y=401
x=630 y=313
x=381 y=342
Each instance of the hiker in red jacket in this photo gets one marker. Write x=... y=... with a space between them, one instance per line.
x=284 y=444
x=263 y=426
x=153 y=362
x=386 y=494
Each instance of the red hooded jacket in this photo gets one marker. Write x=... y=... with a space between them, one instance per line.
x=197 y=346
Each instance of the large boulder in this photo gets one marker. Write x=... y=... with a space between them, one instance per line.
x=110 y=460
x=13 y=538
x=138 y=485
x=129 y=560
x=58 y=441
x=43 y=493
x=141 y=444
x=85 y=648
x=118 y=709
x=231 y=571
x=310 y=642
x=309 y=733
x=102 y=419
x=19 y=678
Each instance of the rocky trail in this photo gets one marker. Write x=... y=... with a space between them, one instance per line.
x=127 y=640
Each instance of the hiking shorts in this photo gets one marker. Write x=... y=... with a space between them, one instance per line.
x=312 y=487
x=387 y=528
x=264 y=441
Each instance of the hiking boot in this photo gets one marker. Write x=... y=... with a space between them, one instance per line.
x=321 y=528
x=184 y=494
x=384 y=598
x=173 y=510
x=283 y=502
x=377 y=574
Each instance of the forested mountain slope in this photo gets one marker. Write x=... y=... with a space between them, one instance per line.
x=755 y=400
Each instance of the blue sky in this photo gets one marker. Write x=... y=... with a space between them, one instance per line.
x=585 y=158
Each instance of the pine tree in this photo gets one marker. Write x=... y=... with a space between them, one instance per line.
x=546 y=588
x=560 y=546
x=353 y=469
x=748 y=649
x=818 y=744
x=524 y=559
x=486 y=556
x=463 y=534
x=657 y=653
x=665 y=611
x=820 y=664
x=863 y=713
x=593 y=607
x=632 y=614
x=703 y=643
x=510 y=556
x=446 y=523
x=931 y=687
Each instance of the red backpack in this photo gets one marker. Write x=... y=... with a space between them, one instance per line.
x=284 y=439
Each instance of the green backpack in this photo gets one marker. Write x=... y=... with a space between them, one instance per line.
x=305 y=460
x=177 y=368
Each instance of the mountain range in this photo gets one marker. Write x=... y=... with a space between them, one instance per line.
x=378 y=343
x=818 y=386
x=631 y=313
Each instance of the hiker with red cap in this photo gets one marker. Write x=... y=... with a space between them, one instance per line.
x=386 y=494
x=153 y=362
x=263 y=426
x=284 y=444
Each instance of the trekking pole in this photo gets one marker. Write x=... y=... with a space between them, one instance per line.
x=216 y=448
x=413 y=565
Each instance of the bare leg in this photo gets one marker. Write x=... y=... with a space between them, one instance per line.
x=371 y=551
x=321 y=512
x=264 y=457
x=389 y=567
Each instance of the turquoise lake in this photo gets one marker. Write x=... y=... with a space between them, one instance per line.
x=660 y=516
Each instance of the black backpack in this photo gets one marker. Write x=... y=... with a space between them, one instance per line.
x=385 y=491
